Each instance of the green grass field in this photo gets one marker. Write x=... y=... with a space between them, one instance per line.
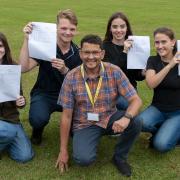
x=145 y=16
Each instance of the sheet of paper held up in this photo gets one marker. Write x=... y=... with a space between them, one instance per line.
x=139 y=52
x=10 y=76
x=42 y=41
x=178 y=49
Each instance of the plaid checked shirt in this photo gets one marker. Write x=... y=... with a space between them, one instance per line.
x=73 y=95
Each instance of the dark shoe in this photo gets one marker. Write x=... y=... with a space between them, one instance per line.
x=36 y=137
x=151 y=145
x=123 y=167
x=178 y=144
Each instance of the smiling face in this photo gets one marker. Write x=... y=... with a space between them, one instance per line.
x=2 y=51
x=164 y=45
x=118 y=30
x=91 y=55
x=65 y=30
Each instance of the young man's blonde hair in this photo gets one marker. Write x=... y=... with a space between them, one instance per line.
x=67 y=14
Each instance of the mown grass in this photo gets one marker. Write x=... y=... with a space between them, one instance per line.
x=145 y=16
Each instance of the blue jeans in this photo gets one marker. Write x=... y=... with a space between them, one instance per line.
x=85 y=140
x=14 y=140
x=41 y=108
x=164 y=126
x=122 y=103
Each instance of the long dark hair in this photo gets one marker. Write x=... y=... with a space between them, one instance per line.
x=168 y=32
x=7 y=59
x=108 y=35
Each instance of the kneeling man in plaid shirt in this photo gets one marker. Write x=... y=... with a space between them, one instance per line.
x=88 y=97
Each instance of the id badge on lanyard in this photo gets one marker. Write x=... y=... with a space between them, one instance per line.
x=90 y=115
x=93 y=117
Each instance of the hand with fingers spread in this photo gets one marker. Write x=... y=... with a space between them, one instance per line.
x=60 y=65
x=28 y=29
x=120 y=125
x=62 y=161
x=20 y=101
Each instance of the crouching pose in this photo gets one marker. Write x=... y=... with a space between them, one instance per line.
x=45 y=92
x=88 y=97
x=162 y=117
x=12 y=136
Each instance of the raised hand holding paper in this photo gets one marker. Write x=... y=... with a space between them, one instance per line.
x=42 y=41
x=139 y=52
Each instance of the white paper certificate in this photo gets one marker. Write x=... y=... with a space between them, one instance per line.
x=139 y=52
x=42 y=41
x=10 y=76
x=178 y=49
x=178 y=45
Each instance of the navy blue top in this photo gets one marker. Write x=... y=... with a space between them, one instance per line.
x=49 y=80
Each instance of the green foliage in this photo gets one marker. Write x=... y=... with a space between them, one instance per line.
x=145 y=16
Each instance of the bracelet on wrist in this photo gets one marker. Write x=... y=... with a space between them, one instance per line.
x=128 y=116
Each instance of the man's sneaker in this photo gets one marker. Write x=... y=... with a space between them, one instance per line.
x=36 y=137
x=123 y=167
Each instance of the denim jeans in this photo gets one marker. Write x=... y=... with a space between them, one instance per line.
x=122 y=103
x=14 y=140
x=85 y=140
x=164 y=126
x=41 y=108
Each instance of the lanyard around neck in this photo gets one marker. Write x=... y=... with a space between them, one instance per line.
x=92 y=100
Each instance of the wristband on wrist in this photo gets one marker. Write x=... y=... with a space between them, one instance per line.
x=128 y=116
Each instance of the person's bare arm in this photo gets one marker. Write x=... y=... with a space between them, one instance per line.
x=135 y=104
x=25 y=61
x=65 y=125
x=153 y=79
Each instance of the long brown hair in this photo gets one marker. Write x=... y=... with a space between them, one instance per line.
x=108 y=35
x=7 y=59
